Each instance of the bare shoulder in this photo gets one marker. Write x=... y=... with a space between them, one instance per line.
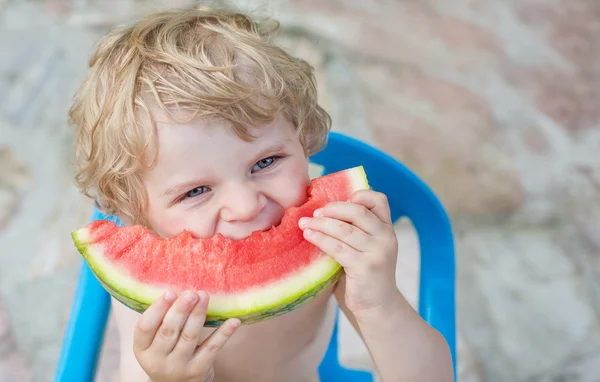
x=126 y=318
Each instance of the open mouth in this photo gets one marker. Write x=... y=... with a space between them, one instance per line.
x=266 y=228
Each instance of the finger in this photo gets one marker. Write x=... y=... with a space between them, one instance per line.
x=376 y=202
x=341 y=252
x=355 y=214
x=174 y=320
x=150 y=321
x=344 y=232
x=192 y=330
x=207 y=352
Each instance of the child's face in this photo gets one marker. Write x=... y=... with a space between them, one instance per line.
x=207 y=180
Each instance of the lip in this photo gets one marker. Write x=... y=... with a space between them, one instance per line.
x=264 y=228
x=269 y=218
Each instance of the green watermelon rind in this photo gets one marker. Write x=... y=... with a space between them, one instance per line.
x=268 y=301
x=139 y=297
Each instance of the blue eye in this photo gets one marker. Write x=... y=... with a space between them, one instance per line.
x=196 y=191
x=263 y=163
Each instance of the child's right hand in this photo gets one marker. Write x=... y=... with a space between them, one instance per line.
x=167 y=338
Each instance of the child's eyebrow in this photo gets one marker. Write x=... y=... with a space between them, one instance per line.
x=182 y=187
x=270 y=150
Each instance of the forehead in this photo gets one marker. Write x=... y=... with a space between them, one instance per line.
x=212 y=131
x=209 y=139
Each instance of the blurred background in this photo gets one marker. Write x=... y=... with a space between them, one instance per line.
x=494 y=103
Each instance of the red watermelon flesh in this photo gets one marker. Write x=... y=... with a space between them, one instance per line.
x=264 y=275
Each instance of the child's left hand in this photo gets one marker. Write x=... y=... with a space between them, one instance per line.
x=360 y=236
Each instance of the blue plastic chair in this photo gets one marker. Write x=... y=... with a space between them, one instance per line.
x=408 y=196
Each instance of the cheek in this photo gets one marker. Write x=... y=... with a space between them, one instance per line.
x=164 y=224
x=292 y=189
x=173 y=221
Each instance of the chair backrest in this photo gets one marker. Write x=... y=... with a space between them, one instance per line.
x=408 y=196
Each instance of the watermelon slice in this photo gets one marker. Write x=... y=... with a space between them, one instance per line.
x=264 y=275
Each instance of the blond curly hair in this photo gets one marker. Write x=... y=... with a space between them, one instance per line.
x=206 y=62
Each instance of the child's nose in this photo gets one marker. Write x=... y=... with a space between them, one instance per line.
x=242 y=203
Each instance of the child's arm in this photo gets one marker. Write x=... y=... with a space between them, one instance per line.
x=402 y=345
x=360 y=236
x=166 y=340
